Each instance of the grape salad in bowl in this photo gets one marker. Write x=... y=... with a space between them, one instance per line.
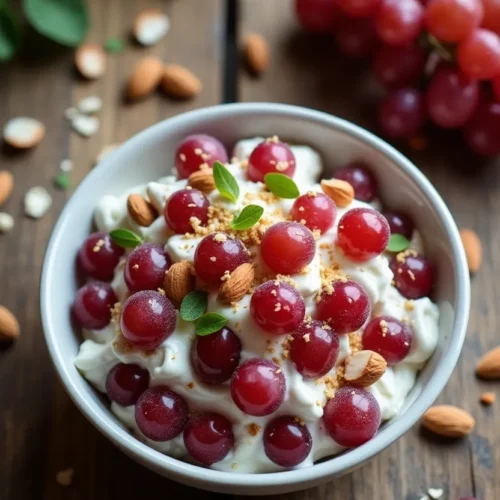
x=253 y=313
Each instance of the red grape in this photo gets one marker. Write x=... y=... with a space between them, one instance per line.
x=208 y=438
x=413 y=274
x=356 y=37
x=396 y=67
x=92 y=305
x=287 y=441
x=270 y=156
x=452 y=97
x=402 y=113
x=314 y=349
x=359 y=176
x=359 y=8
x=216 y=254
x=478 y=56
x=258 y=387
x=363 y=233
x=160 y=413
x=399 y=22
x=99 y=256
x=125 y=383
x=317 y=15
x=197 y=150
x=491 y=20
x=352 y=417
x=482 y=133
x=277 y=307
x=287 y=247
x=315 y=210
x=182 y=206
x=453 y=20
x=399 y=223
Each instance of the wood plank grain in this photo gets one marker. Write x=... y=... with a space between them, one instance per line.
x=306 y=70
x=41 y=431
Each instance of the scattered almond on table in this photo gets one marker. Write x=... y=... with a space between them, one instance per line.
x=473 y=249
x=488 y=366
x=90 y=61
x=37 y=202
x=9 y=326
x=150 y=26
x=145 y=78
x=448 y=421
x=23 y=132
x=256 y=53
x=6 y=222
x=179 y=82
x=6 y=185
x=488 y=398
x=90 y=105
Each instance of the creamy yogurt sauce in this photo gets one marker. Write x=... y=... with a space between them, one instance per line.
x=170 y=363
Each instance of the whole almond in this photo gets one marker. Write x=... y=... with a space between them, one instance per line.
x=203 y=180
x=179 y=82
x=256 y=52
x=6 y=185
x=90 y=60
x=364 y=368
x=141 y=211
x=9 y=326
x=179 y=281
x=489 y=365
x=473 y=249
x=341 y=192
x=448 y=421
x=145 y=78
x=237 y=285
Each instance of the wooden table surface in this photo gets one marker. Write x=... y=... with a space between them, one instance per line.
x=41 y=431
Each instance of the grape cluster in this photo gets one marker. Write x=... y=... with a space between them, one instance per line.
x=439 y=61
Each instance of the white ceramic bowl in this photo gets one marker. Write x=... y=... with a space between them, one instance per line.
x=148 y=156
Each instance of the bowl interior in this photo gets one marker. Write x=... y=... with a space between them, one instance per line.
x=149 y=156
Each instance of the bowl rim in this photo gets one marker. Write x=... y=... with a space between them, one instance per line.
x=337 y=464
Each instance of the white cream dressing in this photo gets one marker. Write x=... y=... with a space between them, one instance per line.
x=170 y=363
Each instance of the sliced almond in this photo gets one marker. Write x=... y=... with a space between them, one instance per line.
x=448 y=421
x=90 y=105
x=180 y=82
x=140 y=210
x=23 y=132
x=6 y=185
x=9 y=326
x=341 y=192
x=489 y=365
x=150 y=26
x=473 y=249
x=6 y=222
x=86 y=125
x=203 y=180
x=145 y=78
x=256 y=52
x=364 y=368
x=90 y=60
x=37 y=202
x=237 y=285
x=179 y=281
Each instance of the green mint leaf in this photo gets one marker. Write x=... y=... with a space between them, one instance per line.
x=282 y=186
x=225 y=183
x=249 y=216
x=62 y=181
x=210 y=323
x=397 y=243
x=193 y=305
x=10 y=33
x=125 y=238
x=114 y=45
x=64 y=21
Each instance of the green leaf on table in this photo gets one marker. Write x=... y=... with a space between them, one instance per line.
x=282 y=186
x=210 y=323
x=225 y=183
x=64 y=21
x=62 y=181
x=10 y=33
x=193 y=305
x=397 y=243
x=249 y=216
x=125 y=238
x=114 y=45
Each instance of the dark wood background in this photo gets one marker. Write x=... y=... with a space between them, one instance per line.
x=41 y=431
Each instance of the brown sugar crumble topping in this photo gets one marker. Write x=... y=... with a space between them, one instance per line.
x=253 y=429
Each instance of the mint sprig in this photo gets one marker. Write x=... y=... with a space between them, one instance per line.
x=248 y=217
x=225 y=182
x=210 y=323
x=282 y=186
x=397 y=243
x=193 y=305
x=125 y=238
